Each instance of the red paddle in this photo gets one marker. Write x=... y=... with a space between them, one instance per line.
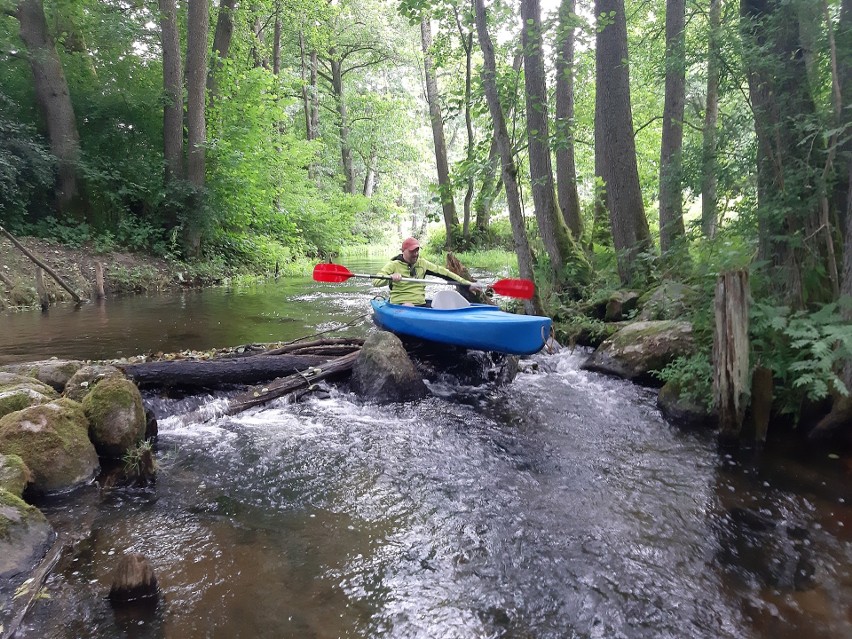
x=523 y=289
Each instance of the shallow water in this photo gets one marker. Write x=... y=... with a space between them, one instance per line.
x=561 y=505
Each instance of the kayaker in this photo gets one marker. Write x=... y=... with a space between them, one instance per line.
x=410 y=264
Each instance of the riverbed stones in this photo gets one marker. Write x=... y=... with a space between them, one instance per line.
x=383 y=372
x=53 y=372
x=85 y=379
x=24 y=535
x=116 y=416
x=53 y=441
x=640 y=348
x=133 y=579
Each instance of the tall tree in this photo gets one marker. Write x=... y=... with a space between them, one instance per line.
x=709 y=180
x=54 y=103
x=566 y=170
x=554 y=232
x=790 y=229
x=221 y=41
x=614 y=140
x=173 y=90
x=445 y=189
x=844 y=72
x=466 y=37
x=196 y=74
x=671 y=148
x=507 y=159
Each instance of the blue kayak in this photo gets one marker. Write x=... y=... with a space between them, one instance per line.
x=476 y=326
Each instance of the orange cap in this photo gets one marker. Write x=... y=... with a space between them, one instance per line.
x=410 y=244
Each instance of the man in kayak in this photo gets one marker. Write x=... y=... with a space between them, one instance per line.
x=410 y=264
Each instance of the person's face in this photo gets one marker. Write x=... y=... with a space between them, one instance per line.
x=410 y=255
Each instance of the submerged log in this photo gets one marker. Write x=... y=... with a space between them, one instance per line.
x=291 y=383
x=218 y=372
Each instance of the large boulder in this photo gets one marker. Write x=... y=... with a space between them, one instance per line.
x=640 y=348
x=668 y=301
x=85 y=379
x=53 y=372
x=53 y=440
x=384 y=373
x=18 y=392
x=116 y=416
x=14 y=474
x=25 y=535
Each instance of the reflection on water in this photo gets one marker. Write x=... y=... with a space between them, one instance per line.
x=561 y=505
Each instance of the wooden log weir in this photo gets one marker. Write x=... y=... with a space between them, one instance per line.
x=731 y=351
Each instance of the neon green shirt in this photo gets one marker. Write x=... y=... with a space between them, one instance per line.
x=413 y=292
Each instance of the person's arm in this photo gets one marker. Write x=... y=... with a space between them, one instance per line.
x=440 y=271
x=387 y=269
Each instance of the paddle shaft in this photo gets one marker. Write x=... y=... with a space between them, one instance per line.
x=407 y=279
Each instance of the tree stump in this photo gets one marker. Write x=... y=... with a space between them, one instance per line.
x=133 y=579
x=731 y=351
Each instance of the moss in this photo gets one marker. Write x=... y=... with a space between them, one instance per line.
x=10 y=502
x=14 y=474
x=67 y=425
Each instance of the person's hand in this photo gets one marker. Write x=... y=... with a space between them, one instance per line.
x=396 y=277
x=476 y=287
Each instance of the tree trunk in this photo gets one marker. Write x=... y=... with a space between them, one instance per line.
x=196 y=73
x=501 y=135
x=709 y=181
x=276 y=43
x=488 y=190
x=173 y=89
x=370 y=177
x=345 y=149
x=554 y=233
x=444 y=187
x=54 y=103
x=566 y=171
x=731 y=351
x=672 y=234
x=789 y=160
x=221 y=43
x=614 y=137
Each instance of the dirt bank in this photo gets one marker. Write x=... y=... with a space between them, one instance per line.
x=123 y=272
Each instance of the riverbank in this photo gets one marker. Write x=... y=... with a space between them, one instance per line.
x=124 y=272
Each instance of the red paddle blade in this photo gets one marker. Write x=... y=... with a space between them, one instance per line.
x=331 y=273
x=524 y=289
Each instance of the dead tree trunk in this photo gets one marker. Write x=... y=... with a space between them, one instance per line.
x=730 y=351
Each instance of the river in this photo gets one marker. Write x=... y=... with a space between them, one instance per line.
x=560 y=505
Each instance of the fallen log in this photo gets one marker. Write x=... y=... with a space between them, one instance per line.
x=289 y=384
x=215 y=373
x=298 y=345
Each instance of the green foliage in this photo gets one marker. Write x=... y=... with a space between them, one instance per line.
x=26 y=169
x=693 y=377
x=803 y=349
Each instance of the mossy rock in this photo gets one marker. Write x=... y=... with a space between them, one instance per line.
x=53 y=372
x=116 y=416
x=53 y=441
x=24 y=395
x=14 y=474
x=85 y=379
x=25 y=535
x=641 y=348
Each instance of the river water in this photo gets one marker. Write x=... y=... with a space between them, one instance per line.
x=560 y=505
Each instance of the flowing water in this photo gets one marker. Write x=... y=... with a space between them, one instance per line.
x=560 y=505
